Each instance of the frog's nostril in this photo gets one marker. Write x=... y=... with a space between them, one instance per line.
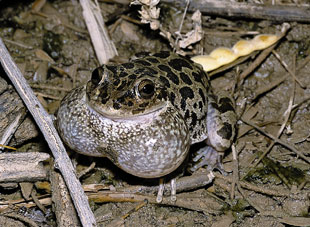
x=97 y=75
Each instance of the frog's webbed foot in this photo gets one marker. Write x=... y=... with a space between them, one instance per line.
x=161 y=188
x=210 y=157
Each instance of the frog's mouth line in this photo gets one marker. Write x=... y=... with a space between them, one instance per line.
x=142 y=118
x=145 y=117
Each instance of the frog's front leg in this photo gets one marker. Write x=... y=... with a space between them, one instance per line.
x=221 y=121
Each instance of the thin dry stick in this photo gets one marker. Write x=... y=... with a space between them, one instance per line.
x=47 y=96
x=285 y=144
x=45 y=123
x=249 y=186
x=119 y=221
x=235 y=172
x=22 y=218
x=178 y=33
x=17 y=44
x=37 y=201
x=9 y=131
x=283 y=63
x=255 y=206
x=50 y=87
x=286 y=117
x=246 y=10
x=103 y=45
x=272 y=85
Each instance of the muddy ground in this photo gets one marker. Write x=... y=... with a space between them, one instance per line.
x=274 y=193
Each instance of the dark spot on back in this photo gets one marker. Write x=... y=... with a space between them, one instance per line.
x=183 y=104
x=226 y=131
x=104 y=101
x=139 y=71
x=200 y=105
x=142 y=62
x=194 y=119
x=186 y=92
x=133 y=76
x=116 y=105
x=142 y=54
x=116 y=82
x=112 y=68
x=123 y=74
x=214 y=105
x=145 y=71
x=172 y=98
x=122 y=85
x=162 y=54
x=149 y=71
x=143 y=104
x=186 y=115
x=195 y=135
x=153 y=60
x=164 y=81
x=163 y=94
x=203 y=97
x=128 y=65
x=186 y=79
x=225 y=105
x=178 y=63
x=130 y=103
x=197 y=77
x=171 y=76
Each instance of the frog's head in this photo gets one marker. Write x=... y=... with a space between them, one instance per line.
x=121 y=91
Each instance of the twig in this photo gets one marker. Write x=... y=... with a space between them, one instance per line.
x=103 y=45
x=277 y=82
x=119 y=221
x=178 y=33
x=10 y=129
x=287 y=68
x=285 y=144
x=87 y=170
x=17 y=44
x=40 y=86
x=249 y=186
x=245 y=10
x=63 y=206
x=255 y=206
x=22 y=218
x=45 y=123
x=37 y=201
x=21 y=167
x=235 y=172
x=286 y=117
x=47 y=96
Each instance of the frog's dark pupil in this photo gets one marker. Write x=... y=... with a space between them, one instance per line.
x=148 y=89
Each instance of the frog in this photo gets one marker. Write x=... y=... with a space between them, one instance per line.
x=145 y=114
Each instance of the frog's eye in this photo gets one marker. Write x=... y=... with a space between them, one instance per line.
x=146 y=89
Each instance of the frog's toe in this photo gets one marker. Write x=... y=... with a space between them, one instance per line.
x=208 y=156
x=161 y=187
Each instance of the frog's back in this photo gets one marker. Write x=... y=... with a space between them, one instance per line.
x=187 y=87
